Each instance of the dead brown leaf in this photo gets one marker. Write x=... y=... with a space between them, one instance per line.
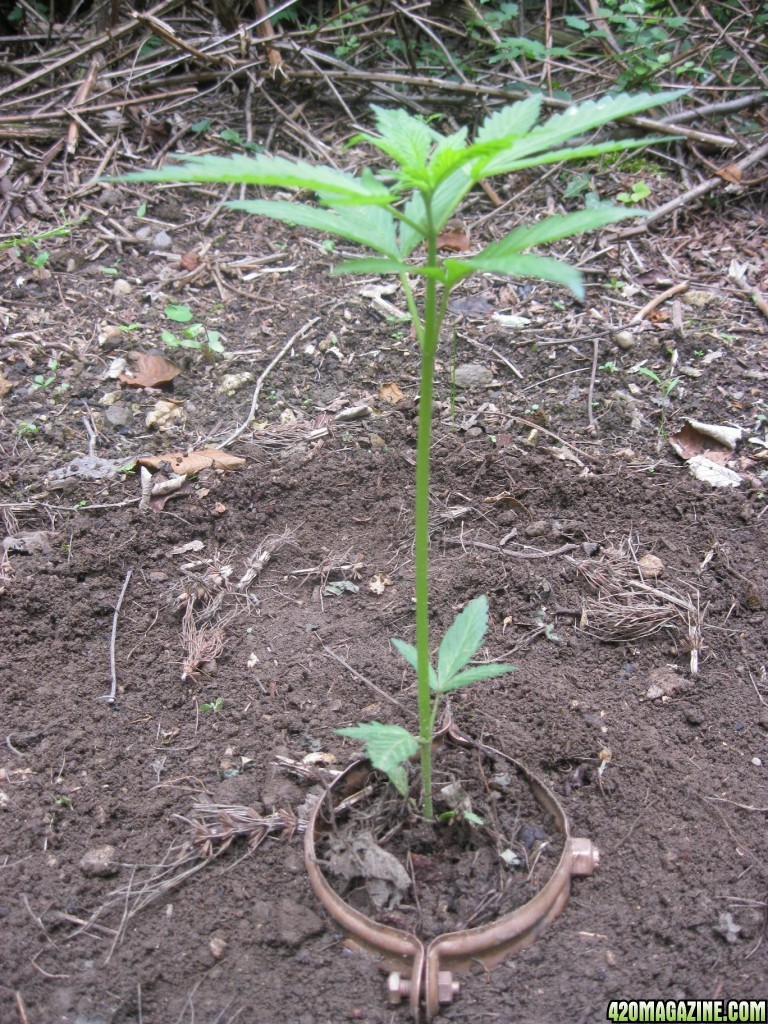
x=454 y=237
x=5 y=386
x=689 y=442
x=189 y=261
x=391 y=393
x=149 y=371
x=190 y=463
x=731 y=173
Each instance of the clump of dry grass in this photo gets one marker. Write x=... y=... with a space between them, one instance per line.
x=627 y=606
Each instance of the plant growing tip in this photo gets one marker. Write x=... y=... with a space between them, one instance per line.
x=398 y=217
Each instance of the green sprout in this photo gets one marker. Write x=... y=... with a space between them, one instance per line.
x=640 y=191
x=193 y=335
x=399 y=214
x=214 y=706
x=665 y=385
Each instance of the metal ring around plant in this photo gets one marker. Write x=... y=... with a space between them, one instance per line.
x=425 y=974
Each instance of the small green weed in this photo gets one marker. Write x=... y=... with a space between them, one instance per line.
x=640 y=191
x=20 y=242
x=214 y=706
x=194 y=335
x=665 y=385
x=235 y=139
x=42 y=381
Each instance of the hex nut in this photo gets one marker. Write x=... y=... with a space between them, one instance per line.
x=447 y=988
x=398 y=988
x=585 y=857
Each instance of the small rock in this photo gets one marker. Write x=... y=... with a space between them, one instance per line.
x=650 y=566
x=698 y=298
x=162 y=240
x=472 y=375
x=666 y=680
x=231 y=382
x=121 y=287
x=100 y=862
x=29 y=543
x=727 y=927
x=757 y=762
x=624 y=340
x=218 y=946
x=144 y=232
x=118 y=415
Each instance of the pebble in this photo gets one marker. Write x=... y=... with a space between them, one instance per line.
x=100 y=862
x=624 y=340
x=472 y=375
x=118 y=415
x=757 y=762
x=650 y=566
x=162 y=240
x=121 y=287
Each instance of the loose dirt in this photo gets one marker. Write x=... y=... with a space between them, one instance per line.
x=664 y=770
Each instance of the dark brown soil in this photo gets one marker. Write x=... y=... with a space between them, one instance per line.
x=663 y=770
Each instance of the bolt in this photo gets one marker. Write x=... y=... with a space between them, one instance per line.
x=398 y=988
x=585 y=857
x=447 y=988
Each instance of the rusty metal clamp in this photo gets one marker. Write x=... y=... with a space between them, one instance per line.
x=424 y=975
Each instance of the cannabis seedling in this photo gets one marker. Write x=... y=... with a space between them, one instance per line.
x=399 y=214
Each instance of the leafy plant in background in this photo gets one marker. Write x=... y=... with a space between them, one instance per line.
x=193 y=335
x=399 y=214
x=645 y=32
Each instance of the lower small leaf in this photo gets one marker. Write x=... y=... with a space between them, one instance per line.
x=387 y=747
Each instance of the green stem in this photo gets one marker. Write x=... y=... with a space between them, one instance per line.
x=411 y=301
x=431 y=334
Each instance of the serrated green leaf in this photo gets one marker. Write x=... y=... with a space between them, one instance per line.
x=405 y=138
x=371 y=227
x=585 y=152
x=409 y=652
x=552 y=229
x=473 y=675
x=543 y=268
x=574 y=121
x=513 y=120
x=387 y=747
x=268 y=170
x=371 y=265
x=462 y=639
